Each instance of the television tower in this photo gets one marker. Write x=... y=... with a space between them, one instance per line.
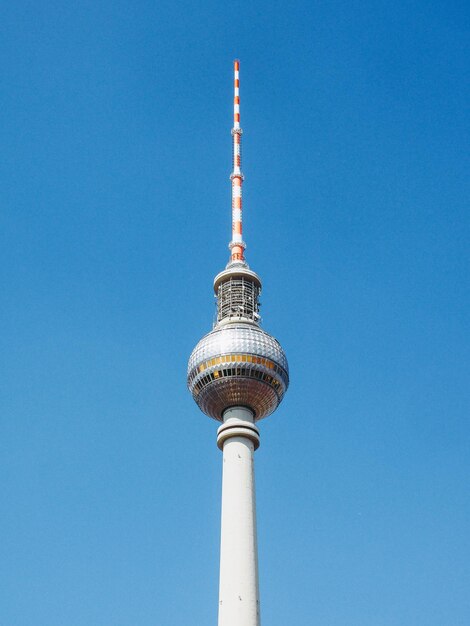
x=238 y=374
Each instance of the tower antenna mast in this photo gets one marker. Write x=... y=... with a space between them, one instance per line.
x=237 y=245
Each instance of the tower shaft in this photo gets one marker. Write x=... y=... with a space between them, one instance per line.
x=238 y=591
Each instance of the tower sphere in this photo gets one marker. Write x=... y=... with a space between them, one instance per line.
x=238 y=364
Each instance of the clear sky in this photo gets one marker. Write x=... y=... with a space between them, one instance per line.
x=115 y=131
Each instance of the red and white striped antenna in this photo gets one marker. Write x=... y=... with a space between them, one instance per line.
x=237 y=245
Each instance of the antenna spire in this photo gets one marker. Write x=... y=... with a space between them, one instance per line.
x=237 y=245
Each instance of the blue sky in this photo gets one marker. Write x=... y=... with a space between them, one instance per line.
x=115 y=132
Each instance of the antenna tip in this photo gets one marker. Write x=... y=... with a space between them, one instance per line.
x=236 y=64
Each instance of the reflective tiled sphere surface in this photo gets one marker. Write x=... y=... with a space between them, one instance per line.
x=238 y=364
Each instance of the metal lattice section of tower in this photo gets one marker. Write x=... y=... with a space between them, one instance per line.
x=238 y=297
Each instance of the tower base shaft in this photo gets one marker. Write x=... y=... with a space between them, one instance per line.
x=238 y=591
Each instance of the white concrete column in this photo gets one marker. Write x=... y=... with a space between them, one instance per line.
x=238 y=437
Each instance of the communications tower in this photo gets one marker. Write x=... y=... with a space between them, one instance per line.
x=238 y=374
